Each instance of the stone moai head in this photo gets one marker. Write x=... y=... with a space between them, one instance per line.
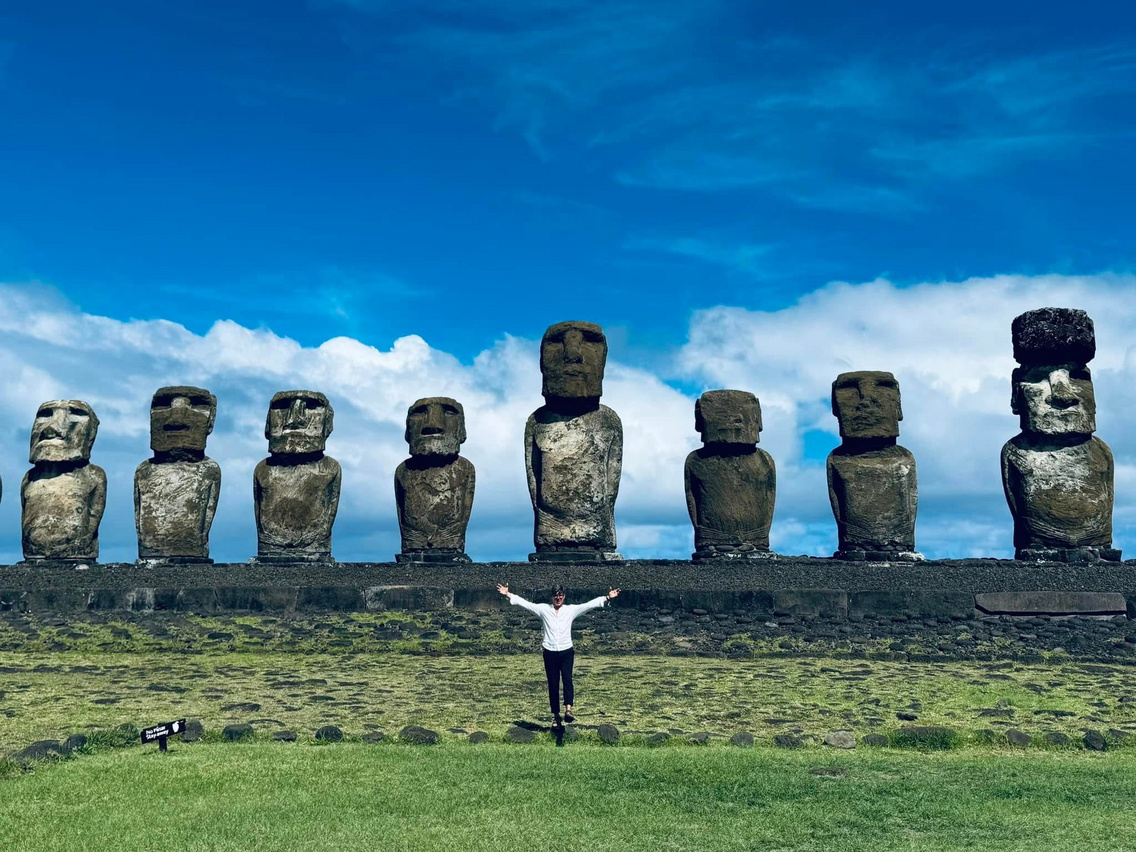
x=572 y=359
x=181 y=418
x=866 y=403
x=435 y=426
x=1052 y=389
x=728 y=417
x=299 y=421
x=64 y=430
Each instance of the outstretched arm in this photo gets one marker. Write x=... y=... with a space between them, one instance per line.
x=517 y=599
x=597 y=602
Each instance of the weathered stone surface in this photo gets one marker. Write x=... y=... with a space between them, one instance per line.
x=1094 y=741
x=1057 y=477
x=743 y=739
x=840 y=739
x=872 y=482
x=517 y=734
x=433 y=489
x=825 y=603
x=233 y=733
x=658 y=738
x=418 y=735
x=296 y=489
x=608 y=734
x=573 y=450
x=73 y=742
x=731 y=484
x=329 y=734
x=787 y=741
x=40 y=750
x=1051 y=603
x=63 y=496
x=176 y=491
x=875 y=740
x=285 y=736
x=373 y=737
x=479 y=737
x=194 y=730
x=700 y=737
x=1017 y=738
x=1056 y=738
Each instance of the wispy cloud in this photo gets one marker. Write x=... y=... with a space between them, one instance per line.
x=737 y=257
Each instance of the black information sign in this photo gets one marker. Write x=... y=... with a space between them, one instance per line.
x=160 y=732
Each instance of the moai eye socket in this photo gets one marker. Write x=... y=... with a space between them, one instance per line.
x=449 y=409
x=78 y=412
x=45 y=412
x=282 y=404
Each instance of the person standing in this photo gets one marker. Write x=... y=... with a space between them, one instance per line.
x=556 y=619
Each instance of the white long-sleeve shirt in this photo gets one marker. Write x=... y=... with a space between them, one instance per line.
x=557 y=623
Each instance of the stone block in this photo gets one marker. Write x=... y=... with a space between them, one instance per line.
x=330 y=598
x=197 y=600
x=478 y=599
x=408 y=597
x=913 y=603
x=759 y=604
x=1051 y=603
x=824 y=603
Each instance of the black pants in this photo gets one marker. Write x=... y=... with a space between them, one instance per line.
x=557 y=665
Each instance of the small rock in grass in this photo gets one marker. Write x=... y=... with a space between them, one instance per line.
x=374 y=737
x=1094 y=741
x=1056 y=738
x=233 y=733
x=569 y=734
x=1116 y=735
x=1017 y=738
x=700 y=738
x=478 y=737
x=875 y=740
x=519 y=735
x=904 y=716
x=329 y=734
x=39 y=750
x=608 y=734
x=193 y=731
x=657 y=738
x=840 y=739
x=285 y=736
x=787 y=741
x=418 y=735
x=744 y=739
x=73 y=742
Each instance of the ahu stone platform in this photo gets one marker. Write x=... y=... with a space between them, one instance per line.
x=817 y=588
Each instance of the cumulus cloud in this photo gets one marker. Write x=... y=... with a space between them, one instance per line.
x=947 y=342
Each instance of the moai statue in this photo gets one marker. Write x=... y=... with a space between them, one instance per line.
x=63 y=496
x=573 y=450
x=731 y=484
x=296 y=489
x=1057 y=476
x=433 y=489
x=176 y=491
x=871 y=479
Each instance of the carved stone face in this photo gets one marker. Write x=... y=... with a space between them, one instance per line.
x=299 y=421
x=867 y=404
x=1055 y=399
x=181 y=418
x=728 y=417
x=64 y=430
x=435 y=426
x=572 y=359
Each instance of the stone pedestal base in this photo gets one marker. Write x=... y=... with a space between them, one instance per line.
x=432 y=556
x=712 y=554
x=33 y=562
x=1071 y=555
x=159 y=561
x=878 y=555
x=581 y=555
x=293 y=558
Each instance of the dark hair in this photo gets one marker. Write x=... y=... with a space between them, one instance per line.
x=558 y=589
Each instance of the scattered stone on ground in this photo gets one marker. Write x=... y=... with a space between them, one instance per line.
x=1094 y=741
x=418 y=735
x=519 y=735
x=329 y=734
x=840 y=739
x=742 y=738
x=477 y=737
x=1017 y=738
x=608 y=734
x=234 y=733
x=285 y=736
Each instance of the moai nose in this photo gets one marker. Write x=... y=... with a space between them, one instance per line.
x=1061 y=390
x=295 y=413
x=180 y=402
x=573 y=347
x=435 y=421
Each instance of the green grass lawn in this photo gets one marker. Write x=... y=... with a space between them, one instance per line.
x=500 y=797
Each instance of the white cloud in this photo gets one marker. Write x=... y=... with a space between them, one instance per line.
x=948 y=343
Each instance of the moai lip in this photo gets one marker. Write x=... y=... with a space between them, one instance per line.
x=731 y=484
x=296 y=489
x=63 y=496
x=434 y=487
x=176 y=491
x=1057 y=475
x=872 y=481
x=573 y=450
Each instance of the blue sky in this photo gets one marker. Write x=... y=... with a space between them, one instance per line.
x=470 y=172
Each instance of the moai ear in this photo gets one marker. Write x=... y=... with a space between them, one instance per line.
x=1015 y=391
x=699 y=421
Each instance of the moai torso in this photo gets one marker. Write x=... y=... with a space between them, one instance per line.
x=574 y=471
x=63 y=496
x=176 y=491
x=296 y=506
x=434 y=504
x=174 y=505
x=1060 y=496
x=62 y=512
x=730 y=498
x=874 y=496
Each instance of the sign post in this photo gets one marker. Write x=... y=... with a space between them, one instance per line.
x=162 y=731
